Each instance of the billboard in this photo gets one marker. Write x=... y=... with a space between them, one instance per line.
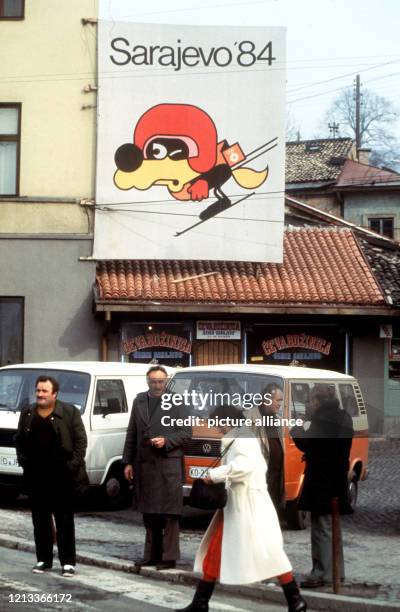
x=190 y=142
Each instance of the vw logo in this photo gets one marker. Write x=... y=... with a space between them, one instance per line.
x=206 y=448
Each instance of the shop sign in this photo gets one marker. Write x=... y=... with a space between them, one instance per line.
x=298 y=341
x=137 y=343
x=218 y=330
x=190 y=142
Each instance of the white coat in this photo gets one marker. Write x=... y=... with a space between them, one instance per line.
x=252 y=543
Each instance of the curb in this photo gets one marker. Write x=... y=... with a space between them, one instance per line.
x=260 y=592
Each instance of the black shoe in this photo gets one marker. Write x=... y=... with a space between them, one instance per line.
x=146 y=563
x=166 y=565
x=312 y=583
x=295 y=601
x=201 y=598
x=41 y=567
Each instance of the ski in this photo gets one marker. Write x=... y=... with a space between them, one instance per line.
x=212 y=214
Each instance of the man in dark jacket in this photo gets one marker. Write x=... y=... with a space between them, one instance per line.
x=326 y=444
x=271 y=444
x=51 y=444
x=153 y=457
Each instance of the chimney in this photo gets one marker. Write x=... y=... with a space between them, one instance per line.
x=363 y=155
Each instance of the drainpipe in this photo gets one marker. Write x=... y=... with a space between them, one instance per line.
x=104 y=337
x=244 y=345
x=191 y=343
x=347 y=353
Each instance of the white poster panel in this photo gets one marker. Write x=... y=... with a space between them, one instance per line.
x=190 y=150
x=218 y=330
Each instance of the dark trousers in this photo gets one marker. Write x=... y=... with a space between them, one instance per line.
x=162 y=537
x=51 y=497
x=321 y=548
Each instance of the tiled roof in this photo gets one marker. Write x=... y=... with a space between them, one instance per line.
x=316 y=160
x=385 y=264
x=354 y=173
x=322 y=266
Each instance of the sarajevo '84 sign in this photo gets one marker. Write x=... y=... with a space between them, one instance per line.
x=190 y=143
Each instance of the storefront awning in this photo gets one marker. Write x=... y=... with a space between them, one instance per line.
x=322 y=268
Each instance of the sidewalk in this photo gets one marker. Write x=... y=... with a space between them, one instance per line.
x=260 y=591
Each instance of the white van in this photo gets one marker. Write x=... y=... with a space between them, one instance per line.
x=103 y=392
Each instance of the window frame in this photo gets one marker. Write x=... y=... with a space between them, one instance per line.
x=381 y=219
x=13 y=138
x=103 y=413
x=18 y=299
x=11 y=17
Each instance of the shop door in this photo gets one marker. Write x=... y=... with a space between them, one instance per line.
x=213 y=352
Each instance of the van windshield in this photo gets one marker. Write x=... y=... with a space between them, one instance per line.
x=204 y=391
x=17 y=387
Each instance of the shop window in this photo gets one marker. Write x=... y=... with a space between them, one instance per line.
x=110 y=397
x=163 y=343
x=12 y=9
x=10 y=136
x=11 y=330
x=382 y=225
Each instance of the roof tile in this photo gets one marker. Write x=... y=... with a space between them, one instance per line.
x=322 y=266
x=316 y=160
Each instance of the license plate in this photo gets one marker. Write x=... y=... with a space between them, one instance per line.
x=197 y=472
x=8 y=460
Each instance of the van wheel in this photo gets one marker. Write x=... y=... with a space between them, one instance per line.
x=296 y=519
x=116 y=491
x=352 y=491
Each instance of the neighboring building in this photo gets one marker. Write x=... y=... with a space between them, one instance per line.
x=313 y=168
x=370 y=197
x=329 y=175
x=47 y=143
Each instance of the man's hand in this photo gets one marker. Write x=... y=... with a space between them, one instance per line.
x=129 y=472
x=158 y=442
x=207 y=479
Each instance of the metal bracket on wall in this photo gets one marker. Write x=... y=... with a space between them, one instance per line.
x=89 y=21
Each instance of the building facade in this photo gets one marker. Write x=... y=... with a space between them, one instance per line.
x=47 y=143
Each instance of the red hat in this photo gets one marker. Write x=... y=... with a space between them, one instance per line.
x=184 y=121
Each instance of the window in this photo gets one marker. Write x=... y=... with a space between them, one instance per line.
x=110 y=397
x=17 y=387
x=12 y=9
x=10 y=133
x=394 y=358
x=382 y=225
x=11 y=330
x=349 y=401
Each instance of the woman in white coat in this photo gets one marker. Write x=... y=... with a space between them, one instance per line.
x=243 y=543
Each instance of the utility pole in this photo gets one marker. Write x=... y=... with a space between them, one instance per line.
x=357 y=96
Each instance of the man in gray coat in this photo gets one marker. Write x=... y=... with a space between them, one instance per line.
x=153 y=458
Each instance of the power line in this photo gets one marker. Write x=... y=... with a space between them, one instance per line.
x=342 y=76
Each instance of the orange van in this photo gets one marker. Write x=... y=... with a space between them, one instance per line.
x=203 y=388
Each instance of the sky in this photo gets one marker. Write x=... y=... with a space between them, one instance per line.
x=328 y=43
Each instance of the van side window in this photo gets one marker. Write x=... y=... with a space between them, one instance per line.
x=299 y=400
x=110 y=397
x=348 y=397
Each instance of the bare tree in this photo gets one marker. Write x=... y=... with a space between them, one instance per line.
x=292 y=127
x=377 y=123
